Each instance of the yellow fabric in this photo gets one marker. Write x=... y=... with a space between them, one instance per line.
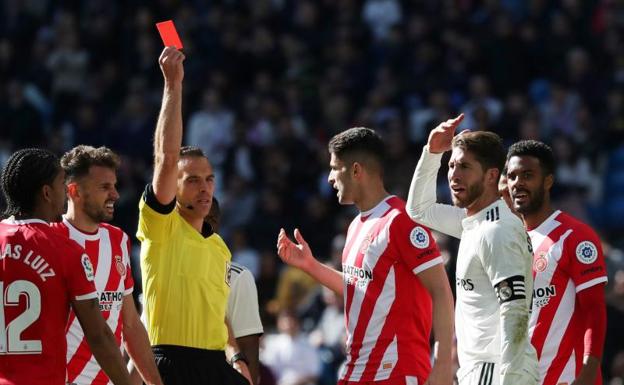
x=185 y=281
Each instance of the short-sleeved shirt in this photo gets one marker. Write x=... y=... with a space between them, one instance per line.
x=567 y=259
x=186 y=278
x=41 y=272
x=242 y=311
x=109 y=251
x=388 y=310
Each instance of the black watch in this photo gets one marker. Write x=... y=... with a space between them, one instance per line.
x=238 y=357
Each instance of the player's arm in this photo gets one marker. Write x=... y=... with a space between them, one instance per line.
x=591 y=306
x=232 y=350
x=506 y=260
x=250 y=346
x=436 y=282
x=101 y=340
x=421 y=203
x=137 y=342
x=299 y=255
x=168 y=135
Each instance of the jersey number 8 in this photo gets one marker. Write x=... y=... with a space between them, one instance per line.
x=10 y=342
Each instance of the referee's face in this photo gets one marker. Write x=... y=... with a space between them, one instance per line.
x=196 y=184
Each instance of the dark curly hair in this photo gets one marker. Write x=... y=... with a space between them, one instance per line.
x=536 y=149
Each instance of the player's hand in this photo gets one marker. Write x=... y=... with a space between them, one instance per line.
x=441 y=137
x=295 y=254
x=440 y=375
x=170 y=62
x=242 y=368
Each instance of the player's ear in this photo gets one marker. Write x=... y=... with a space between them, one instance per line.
x=72 y=190
x=549 y=180
x=493 y=176
x=356 y=169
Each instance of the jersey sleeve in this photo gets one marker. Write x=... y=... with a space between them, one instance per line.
x=127 y=252
x=242 y=310
x=421 y=201
x=155 y=219
x=585 y=262
x=79 y=273
x=505 y=254
x=416 y=246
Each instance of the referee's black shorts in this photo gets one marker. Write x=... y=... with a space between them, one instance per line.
x=181 y=365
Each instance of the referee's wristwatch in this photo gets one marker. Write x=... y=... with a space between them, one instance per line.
x=239 y=357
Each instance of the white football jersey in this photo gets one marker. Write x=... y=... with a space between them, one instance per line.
x=494 y=278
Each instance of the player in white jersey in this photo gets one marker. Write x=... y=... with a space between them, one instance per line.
x=569 y=270
x=493 y=274
x=393 y=280
x=91 y=178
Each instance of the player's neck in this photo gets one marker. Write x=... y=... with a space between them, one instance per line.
x=533 y=220
x=370 y=197
x=487 y=198
x=80 y=220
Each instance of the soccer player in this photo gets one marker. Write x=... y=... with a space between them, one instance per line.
x=493 y=273
x=393 y=279
x=91 y=180
x=242 y=309
x=42 y=274
x=185 y=265
x=569 y=272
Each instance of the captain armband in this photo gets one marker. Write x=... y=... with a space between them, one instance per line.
x=510 y=289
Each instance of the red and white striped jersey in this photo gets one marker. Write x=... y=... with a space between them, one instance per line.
x=109 y=251
x=567 y=258
x=388 y=311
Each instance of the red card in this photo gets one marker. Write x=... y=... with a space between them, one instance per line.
x=168 y=34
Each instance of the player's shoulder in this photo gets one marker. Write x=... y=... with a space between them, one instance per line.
x=502 y=224
x=59 y=241
x=579 y=228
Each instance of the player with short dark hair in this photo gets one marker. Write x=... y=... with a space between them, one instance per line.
x=568 y=321
x=393 y=278
x=42 y=274
x=91 y=188
x=493 y=274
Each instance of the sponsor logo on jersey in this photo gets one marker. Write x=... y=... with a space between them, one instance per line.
x=119 y=265
x=88 y=267
x=357 y=276
x=542 y=295
x=109 y=298
x=464 y=283
x=541 y=263
x=419 y=237
x=586 y=252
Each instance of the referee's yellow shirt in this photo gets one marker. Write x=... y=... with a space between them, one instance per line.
x=185 y=280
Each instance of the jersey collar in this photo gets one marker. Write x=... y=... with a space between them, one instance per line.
x=86 y=236
x=364 y=215
x=18 y=222
x=546 y=222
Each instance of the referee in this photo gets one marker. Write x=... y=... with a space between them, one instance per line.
x=185 y=264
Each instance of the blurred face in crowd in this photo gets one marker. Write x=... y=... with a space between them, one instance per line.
x=466 y=178
x=527 y=184
x=341 y=179
x=95 y=194
x=196 y=184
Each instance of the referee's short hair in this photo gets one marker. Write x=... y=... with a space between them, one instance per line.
x=23 y=176
x=486 y=146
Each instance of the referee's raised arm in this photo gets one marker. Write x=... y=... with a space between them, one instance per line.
x=168 y=135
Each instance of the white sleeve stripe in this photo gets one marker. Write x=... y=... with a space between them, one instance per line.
x=86 y=296
x=426 y=265
x=128 y=291
x=591 y=283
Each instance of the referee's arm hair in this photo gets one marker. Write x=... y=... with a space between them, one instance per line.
x=168 y=135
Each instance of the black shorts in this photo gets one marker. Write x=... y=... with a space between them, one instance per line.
x=181 y=365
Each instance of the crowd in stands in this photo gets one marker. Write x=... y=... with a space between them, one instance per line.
x=268 y=82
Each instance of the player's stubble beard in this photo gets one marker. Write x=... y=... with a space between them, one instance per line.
x=473 y=191
x=535 y=201
x=96 y=212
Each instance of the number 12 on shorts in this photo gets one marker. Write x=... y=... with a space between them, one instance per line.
x=10 y=342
